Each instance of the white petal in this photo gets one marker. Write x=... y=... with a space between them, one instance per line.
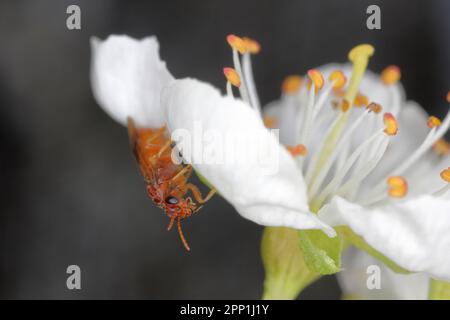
x=272 y=194
x=285 y=112
x=127 y=76
x=393 y=286
x=414 y=233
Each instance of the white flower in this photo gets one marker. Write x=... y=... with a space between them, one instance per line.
x=347 y=165
x=357 y=272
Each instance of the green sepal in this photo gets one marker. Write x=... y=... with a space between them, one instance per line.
x=286 y=272
x=439 y=290
x=322 y=254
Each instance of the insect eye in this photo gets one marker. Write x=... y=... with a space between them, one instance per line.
x=171 y=200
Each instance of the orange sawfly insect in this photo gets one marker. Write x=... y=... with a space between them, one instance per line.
x=167 y=182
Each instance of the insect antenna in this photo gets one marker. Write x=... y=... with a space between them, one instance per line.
x=182 y=236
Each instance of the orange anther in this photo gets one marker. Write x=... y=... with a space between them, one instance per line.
x=361 y=101
x=391 y=124
x=345 y=105
x=298 y=150
x=291 y=84
x=433 y=122
x=398 y=187
x=445 y=175
x=390 y=75
x=270 y=122
x=338 y=79
x=232 y=76
x=252 y=46
x=374 y=107
x=316 y=77
x=448 y=97
x=237 y=43
x=441 y=147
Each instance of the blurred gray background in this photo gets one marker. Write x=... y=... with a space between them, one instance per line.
x=70 y=189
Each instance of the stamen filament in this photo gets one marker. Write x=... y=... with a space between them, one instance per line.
x=243 y=87
x=362 y=173
x=359 y=56
x=329 y=161
x=250 y=82
x=341 y=172
x=305 y=129
x=433 y=136
x=229 y=90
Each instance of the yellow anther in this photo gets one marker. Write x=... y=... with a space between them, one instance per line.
x=441 y=147
x=445 y=175
x=252 y=46
x=359 y=56
x=398 y=187
x=391 y=124
x=298 y=150
x=291 y=84
x=270 y=122
x=374 y=107
x=391 y=75
x=338 y=79
x=361 y=101
x=433 y=122
x=237 y=43
x=316 y=77
x=232 y=76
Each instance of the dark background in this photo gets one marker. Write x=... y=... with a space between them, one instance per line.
x=70 y=191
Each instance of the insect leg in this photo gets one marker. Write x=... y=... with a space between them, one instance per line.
x=186 y=170
x=164 y=148
x=197 y=194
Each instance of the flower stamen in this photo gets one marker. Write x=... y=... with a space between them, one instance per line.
x=361 y=101
x=390 y=75
x=359 y=56
x=315 y=77
x=298 y=150
x=252 y=46
x=291 y=84
x=398 y=187
x=445 y=175
x=441 y=147
x=433 y=122
x=237 y=43
x=391 y=124
x=270 y=122
x=374 y=107
x=232 y=76
x=338 y=79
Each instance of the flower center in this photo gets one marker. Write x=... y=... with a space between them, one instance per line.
x=338 y=150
